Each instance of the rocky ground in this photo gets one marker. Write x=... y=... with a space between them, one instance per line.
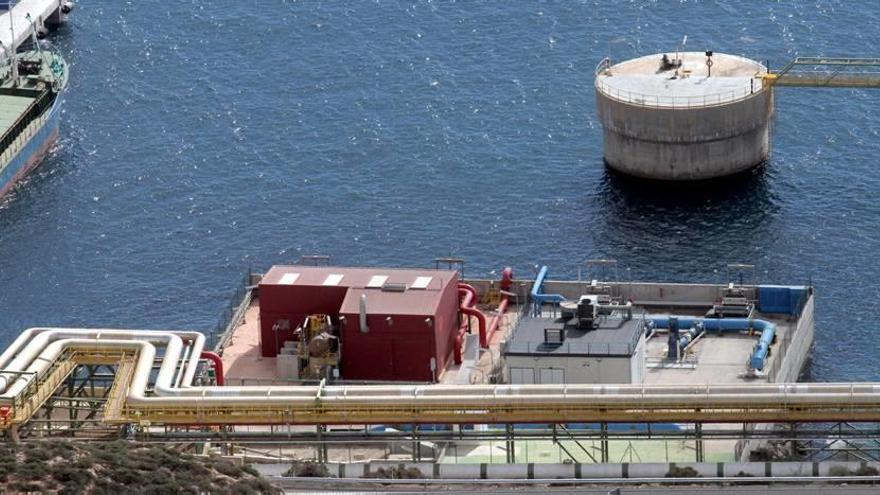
x=120 y=467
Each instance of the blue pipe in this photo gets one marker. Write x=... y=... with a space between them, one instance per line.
x=674 y=341
x=539 y=298
x=759 y=354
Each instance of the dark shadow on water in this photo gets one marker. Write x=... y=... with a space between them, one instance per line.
x=750 y=186
x=744 y=200
x=683 y=230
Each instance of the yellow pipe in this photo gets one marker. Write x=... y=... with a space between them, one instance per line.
x=409 y=404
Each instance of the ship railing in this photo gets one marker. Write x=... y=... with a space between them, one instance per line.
x=671 y=101
x=19 y=142
x=33 y=112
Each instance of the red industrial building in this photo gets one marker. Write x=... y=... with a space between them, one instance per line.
x=411 y=316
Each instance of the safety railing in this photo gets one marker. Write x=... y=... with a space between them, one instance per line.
x=780 y=348
x=603 y=65
x=119 y=390
x=749 y=90
x=238 y=302
x=39 y=389
x=33 y=112
x=587 y=348
x=18 y=143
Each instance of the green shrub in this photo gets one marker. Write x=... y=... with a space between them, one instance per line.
x=252 y=485
x=247 y=468
x=7 y=467
x=121 y=467
x=67 y=475
x=26 y=487
x=227 y=468
x=396 y=473
x=761 y=454
x=839 y=471
x=682 y=472
x=125 y=475
x=865 y=470
x=308 y=469
x=32 y=470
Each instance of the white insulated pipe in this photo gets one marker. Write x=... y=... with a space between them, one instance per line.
x=36 y=353
x=28 y=345
x=54 y=350
x=178 y=378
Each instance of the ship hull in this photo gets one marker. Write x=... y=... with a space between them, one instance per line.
x=32 y=153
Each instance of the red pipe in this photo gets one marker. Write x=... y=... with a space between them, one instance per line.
x=506 y=283
x=469 y=288
x=459 y=335
x=496 y=320
x=506 y=278
x=218 y=365
x=467 y=294
x=468 y=307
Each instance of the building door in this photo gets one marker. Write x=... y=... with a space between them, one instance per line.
x=552 y=376
x=522 y=376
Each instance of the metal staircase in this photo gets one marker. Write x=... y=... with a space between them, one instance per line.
x=114 y=408
x=36 y=393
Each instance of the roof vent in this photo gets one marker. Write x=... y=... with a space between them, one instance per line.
x=554 y=336
x=389 y=287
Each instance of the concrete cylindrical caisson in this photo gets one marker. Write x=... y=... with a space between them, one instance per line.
x=686 y=116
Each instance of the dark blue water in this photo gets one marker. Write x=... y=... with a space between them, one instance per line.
x=201 y=138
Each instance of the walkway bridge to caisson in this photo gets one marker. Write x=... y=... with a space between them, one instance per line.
x=827 y=72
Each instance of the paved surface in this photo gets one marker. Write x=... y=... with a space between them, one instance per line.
x=720 y=358
x=242 y=360
x=21 y=26
x=640 y=80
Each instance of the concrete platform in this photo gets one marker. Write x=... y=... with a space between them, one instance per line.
x=244 y=364
x=713 y=359
x=43 y=13
x=641 y=81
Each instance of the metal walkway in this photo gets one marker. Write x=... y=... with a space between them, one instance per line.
x=478 y=404
x=827 y=72
x=131 y=400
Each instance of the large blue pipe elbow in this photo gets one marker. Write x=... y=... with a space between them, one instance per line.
x=539 y=281
x=539 y=298
x=759 y=354
x=762 y=348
